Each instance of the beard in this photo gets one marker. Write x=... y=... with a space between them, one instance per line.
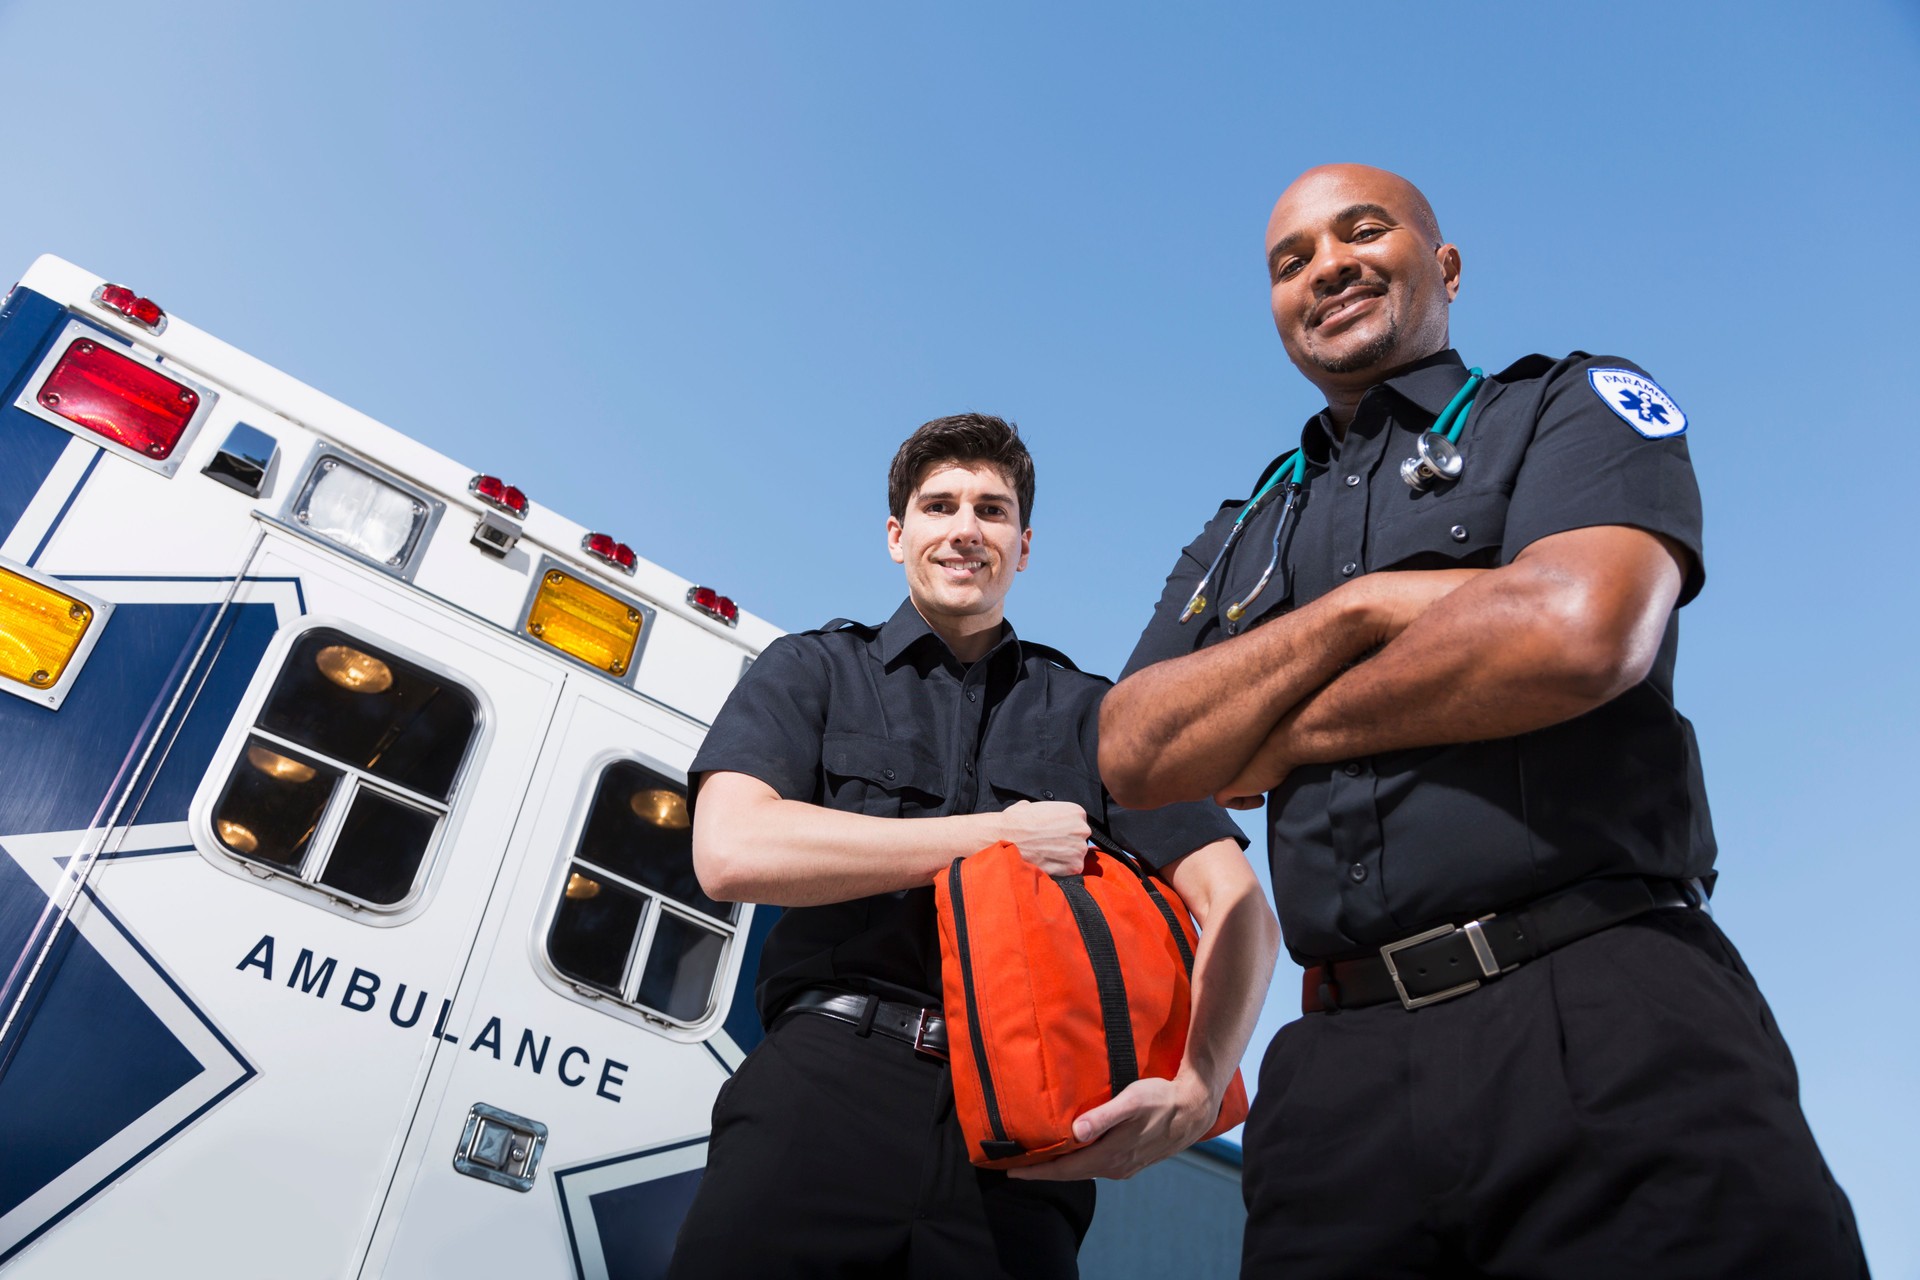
x=1372 y=352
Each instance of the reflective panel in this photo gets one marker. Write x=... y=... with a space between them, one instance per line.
x=272 y=804
x=379 y=848
x=398 y=721
x=593 y=932
x=681 y=967
x=637 y=828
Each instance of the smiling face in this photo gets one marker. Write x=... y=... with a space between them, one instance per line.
x=961 y=541
x=1361 y=282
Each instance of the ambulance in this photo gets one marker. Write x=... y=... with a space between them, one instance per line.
x=348 y=924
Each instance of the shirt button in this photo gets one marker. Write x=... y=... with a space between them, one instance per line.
x=1352 y=481
x=887 y=774
x=1459 y=533
x=1046 y=795
x=1357 y=872
x=972 y=694
x=1348 y=568
x=969 y=766
x=1351 y=769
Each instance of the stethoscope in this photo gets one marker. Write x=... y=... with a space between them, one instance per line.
x=1436 y=457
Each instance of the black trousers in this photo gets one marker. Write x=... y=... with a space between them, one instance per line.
x=837 y=1155
x=1624 y=1106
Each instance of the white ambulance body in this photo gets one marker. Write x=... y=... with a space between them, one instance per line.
x=347 y=923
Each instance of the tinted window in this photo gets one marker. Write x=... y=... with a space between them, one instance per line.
x=635 y=861
x=372 y=710
x=347 y=775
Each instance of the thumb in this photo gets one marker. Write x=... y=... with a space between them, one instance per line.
x=1092 y=1124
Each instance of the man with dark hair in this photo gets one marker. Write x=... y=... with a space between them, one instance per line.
x=1447 y=622
x=851 y=765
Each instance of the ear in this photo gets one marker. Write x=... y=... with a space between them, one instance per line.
x=894 y=549
x=1449 y=258
x=1026 y=548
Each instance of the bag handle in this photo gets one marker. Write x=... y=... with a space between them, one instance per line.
x=1134 y=863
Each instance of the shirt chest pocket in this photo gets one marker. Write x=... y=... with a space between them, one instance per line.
x=1015 y=778
x=1439 y=531
x=883 y=777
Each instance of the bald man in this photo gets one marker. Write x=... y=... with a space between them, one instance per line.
x=1439 y=639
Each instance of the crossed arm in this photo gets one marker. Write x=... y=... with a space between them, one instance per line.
x=1463 y=655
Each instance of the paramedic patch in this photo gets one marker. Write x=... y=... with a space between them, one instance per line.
x=1639 y=401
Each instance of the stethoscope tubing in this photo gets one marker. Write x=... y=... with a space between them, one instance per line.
x=1291 y=472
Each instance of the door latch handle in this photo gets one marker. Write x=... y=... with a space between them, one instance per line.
x=500 y=1147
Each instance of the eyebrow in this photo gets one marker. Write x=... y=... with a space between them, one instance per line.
x=1351 y=213
x=947 y=495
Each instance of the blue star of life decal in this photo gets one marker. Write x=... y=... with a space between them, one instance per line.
x=111 y=1058
x=1639 y=401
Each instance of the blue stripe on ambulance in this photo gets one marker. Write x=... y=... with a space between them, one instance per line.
x=28 y=446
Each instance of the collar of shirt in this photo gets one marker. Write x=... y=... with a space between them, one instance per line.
x=1426 y=384
x=906 y=630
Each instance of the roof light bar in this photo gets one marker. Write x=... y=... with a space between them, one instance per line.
x=144 y=312
x=716 y=606
x=497 y=493
x=602 y=547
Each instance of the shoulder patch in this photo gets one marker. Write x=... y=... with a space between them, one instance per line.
x=1639 y=401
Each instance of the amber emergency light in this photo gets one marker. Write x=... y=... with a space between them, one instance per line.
x=584 y=622
x=40 y=630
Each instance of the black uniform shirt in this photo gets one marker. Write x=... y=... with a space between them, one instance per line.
x=885 y=721
x=1365 y=852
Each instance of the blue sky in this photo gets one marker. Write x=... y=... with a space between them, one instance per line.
x=689 y=273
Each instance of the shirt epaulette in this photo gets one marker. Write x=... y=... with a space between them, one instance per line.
x=867 y=629
x=1051 y=654
x=1532 y=367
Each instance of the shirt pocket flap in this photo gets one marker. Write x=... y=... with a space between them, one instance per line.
x=1441 y=530
x=886 y=763
x=1015 y=777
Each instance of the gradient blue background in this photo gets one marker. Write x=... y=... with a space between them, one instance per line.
x=689 y=274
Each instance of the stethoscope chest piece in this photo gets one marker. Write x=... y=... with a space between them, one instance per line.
x=1435 y=458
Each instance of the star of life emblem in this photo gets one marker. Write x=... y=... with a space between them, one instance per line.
x=1639 y=401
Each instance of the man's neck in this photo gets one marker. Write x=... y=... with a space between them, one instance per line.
x=1344 y=396
x=969 y=638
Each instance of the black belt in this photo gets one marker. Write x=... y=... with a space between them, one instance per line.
x=924 y=1029
x=1452 y=960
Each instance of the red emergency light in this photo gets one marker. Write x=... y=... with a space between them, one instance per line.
x=112 y=395
x=496 y=492
x=144 y=312
x=716 y=606
x=601 y=546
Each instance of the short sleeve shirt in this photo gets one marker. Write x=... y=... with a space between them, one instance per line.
x=1368 y=851
x=885 y=721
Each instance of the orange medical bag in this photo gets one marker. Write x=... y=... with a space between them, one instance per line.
x=1059 y=993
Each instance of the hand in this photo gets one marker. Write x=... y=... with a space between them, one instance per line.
x=1394 y=598
x=1052 y=834
x=1268 y=769
x=1150 y=1120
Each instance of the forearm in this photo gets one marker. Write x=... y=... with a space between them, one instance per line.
x=1550 y=637
x=1180 y=729
x=1232 y=968
x=791 y=854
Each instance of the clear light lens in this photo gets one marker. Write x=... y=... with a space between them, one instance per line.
x=40 y=629
x=359 y=512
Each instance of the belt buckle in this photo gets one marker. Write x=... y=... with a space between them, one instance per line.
x=1476 y=938
x=920 y=1035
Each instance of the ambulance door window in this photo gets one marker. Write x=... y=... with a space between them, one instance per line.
x=348 y=772
x=630 y=922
